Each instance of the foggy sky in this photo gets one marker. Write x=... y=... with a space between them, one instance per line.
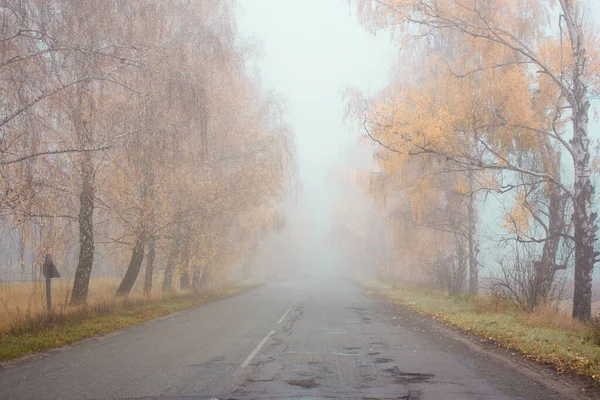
x=312 y=49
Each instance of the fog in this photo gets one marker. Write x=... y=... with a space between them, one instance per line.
x=198 y=145
x=311 y=51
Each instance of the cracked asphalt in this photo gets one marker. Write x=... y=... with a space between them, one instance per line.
x=310 y=339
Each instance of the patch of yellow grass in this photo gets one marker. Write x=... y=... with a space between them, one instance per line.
x=550 y=317
x=24 y=302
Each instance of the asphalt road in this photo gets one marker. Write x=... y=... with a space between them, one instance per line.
x=302 y=340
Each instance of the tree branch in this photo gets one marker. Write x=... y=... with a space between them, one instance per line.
x=49 y=152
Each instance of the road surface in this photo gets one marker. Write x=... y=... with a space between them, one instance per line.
x=315 y=339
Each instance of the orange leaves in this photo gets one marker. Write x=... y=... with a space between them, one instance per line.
x=409 y=121
x=480 y=89
x=462 y=187
x=518 y=219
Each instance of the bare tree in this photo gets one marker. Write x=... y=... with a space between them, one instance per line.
x=518 y=280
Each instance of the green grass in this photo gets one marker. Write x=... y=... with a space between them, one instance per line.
x=56 y=331
x=546 y=336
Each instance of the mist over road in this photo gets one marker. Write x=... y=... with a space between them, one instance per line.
x=302 y=339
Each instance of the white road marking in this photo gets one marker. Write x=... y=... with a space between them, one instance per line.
x=288 y=311
x=285 y=315
x=256 y=350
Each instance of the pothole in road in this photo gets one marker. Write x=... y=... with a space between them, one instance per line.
x=303 y=383
x=408 y=377
x=383 y=360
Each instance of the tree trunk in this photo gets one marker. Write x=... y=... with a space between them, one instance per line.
x=143 y=228
x=472 y=238
x=168 y=278
x=462 y=261
x=584 y=220
x=204 y=279
x=137 y=257
x=184 y=279
x=170 y=267
x=546 y=267
x=196 y=281
x=150 y=265
x=86 y=232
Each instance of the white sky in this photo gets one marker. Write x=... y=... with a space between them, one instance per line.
x=312 y=50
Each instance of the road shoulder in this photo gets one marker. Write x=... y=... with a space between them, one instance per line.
x=567 y=385
x=16 y=349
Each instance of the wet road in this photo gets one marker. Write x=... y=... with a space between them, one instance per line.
x=310 y=340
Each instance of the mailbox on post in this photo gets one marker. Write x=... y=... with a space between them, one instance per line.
x=50 y=271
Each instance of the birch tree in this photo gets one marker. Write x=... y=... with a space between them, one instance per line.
x=508 y=39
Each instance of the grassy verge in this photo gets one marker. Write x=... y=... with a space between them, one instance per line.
x=56 y=330
x=546 y=336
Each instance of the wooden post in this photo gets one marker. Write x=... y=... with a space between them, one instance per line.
x=49 y=269
x=49 y=294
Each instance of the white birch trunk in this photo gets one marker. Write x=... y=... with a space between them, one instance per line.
x=584 y=219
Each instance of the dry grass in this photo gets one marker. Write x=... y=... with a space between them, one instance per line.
x=551 y=317
x=23 y=304
x=489 y=304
